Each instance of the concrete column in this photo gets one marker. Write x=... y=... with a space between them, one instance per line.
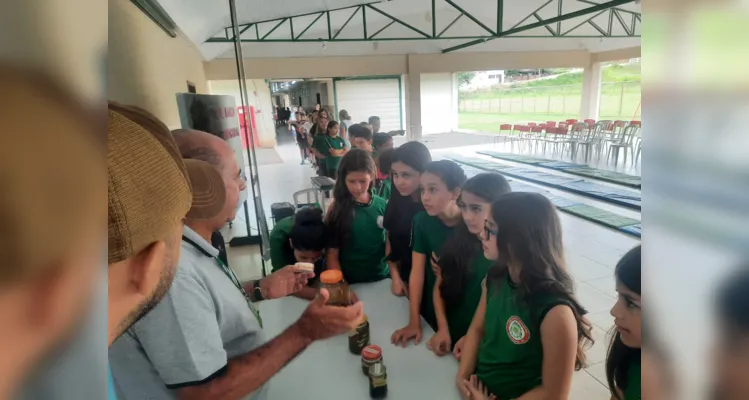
x=453 y=117
x=413 y=106
x=591 y=96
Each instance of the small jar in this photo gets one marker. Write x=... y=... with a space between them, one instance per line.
x=370 y=355
x=359 y=337
x=378 y=381
x=332 y=281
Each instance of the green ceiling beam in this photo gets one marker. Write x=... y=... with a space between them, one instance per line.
x=579 y=13
x=401 y=39
x=500 y=14
x=471 y=17
x=397 y=20
x=381 y=29
x=274 y=28
x=539 y=19
x=310 y=25
x=448 y=26
x=346 y=23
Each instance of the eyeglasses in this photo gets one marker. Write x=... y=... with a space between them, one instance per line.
x=489 y=230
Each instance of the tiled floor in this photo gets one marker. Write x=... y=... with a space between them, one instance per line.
x=591 y=250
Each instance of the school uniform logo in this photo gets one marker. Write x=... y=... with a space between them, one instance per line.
x=380 y=222
x=517 y=331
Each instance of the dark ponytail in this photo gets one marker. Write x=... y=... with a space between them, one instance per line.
x=628 y=272
x=458 y=251
x=341 y=214
x=308 y=231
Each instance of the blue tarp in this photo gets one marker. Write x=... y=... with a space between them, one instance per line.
x=622 y=197
x=635 y=230
x=564 y=204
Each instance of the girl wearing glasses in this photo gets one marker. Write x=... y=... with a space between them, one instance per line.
x=462 y=264
x=528 y=335
x=440 y=188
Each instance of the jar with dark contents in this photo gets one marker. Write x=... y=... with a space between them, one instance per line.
x=370 y=355
x=332 y=281
x=378 y=381
x=359 y=337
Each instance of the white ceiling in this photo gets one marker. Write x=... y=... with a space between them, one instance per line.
x=202 y=19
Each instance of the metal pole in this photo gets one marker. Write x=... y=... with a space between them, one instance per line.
x=253 y=178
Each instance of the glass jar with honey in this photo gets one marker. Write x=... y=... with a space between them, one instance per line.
x=359 y=337
x=332 y=280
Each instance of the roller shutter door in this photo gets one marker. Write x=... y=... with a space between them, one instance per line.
x=363 y=98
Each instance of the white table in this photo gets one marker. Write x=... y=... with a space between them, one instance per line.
x=327 y=370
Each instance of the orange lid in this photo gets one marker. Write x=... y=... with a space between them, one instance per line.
x=331 y=276
x=371 y=352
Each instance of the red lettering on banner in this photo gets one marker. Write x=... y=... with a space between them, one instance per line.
x=231 y=133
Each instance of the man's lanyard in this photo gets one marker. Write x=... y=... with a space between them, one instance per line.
x=232 y=277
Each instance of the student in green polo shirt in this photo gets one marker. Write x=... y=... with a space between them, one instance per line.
x=528 y=335
x=440 y=188
x=299 y=238
x=624 y=358
x=334 y=147
x=384 y=183
x=319 y=148
x=354 y=222
x=462 y=264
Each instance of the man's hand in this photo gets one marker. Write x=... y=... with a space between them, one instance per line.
x=440 y=343
x=403 y=335
x=458 y=349
x=399 y=288
x=475 y=390
x=284 y=282
x=320 y=321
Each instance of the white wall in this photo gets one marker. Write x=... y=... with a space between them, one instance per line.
x=439 y=103
x=258 y=94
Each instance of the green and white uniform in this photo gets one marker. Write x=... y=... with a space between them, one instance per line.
x=634 y=385
x=281 y=253
x=428 y=235
x=318 y=143
x=510 y=356
x=362 y=259
x=459 y=316
x=386 y=187
x=326 y=143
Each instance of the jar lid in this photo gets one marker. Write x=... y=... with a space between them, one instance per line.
x=331 y=276
x=371 y=352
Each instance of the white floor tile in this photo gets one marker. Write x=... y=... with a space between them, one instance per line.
x=586 y=387
x=593 y=299
x=602 y=319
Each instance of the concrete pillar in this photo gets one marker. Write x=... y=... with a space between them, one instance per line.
x=453 y=117
x=591 y=96
x=413 y=106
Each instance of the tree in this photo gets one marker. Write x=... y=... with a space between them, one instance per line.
x=465 y=78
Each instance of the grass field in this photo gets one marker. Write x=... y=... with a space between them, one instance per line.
x=551 y=99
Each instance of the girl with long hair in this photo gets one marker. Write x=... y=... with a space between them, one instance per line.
x=334 y=147
x=408 y=163
x=299 y=238
x=354 y=222
x=440 y=188
x=528 y=334
x=623 y=361
x=463 y=266
x=730 y=362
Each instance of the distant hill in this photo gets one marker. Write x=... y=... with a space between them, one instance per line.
x=610 y=73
